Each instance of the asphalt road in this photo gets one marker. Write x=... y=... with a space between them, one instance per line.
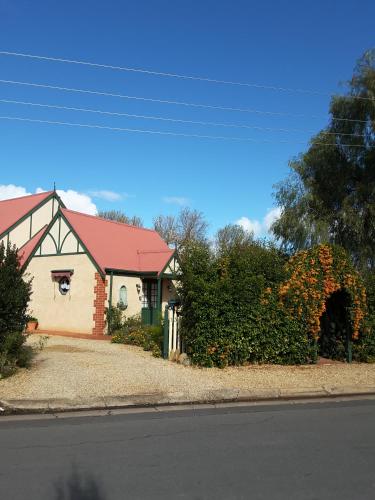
x=294 y=451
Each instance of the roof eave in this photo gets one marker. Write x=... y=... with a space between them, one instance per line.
x=130 y=272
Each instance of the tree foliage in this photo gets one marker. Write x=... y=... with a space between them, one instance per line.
x=119 y=216
x=232 y=236
x=167 y=227
x=188 y=227
x=330 y=194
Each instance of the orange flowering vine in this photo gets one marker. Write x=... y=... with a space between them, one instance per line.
x=316 y=274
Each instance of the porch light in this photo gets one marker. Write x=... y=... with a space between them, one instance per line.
x=138 y=286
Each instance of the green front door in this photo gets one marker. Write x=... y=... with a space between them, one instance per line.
x=150 y=311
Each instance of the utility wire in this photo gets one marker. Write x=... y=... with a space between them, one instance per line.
x=174 y=134
x=168 y=101
x=176 y=75
x=168 y=119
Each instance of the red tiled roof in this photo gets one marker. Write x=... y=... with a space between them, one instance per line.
x=114 y=245
x=25 y=251
x=13 y=210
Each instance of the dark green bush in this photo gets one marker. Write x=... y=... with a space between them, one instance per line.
x=15 y=294
x=364 y=348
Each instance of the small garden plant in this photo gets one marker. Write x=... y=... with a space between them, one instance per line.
x=131 y=331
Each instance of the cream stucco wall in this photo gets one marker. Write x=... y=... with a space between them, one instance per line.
x=20 y=234
x=43 y=215
x=72 y=312
x=134 y=302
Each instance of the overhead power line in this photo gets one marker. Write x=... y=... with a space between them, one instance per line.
x=169 y=119
x=168 y=101
x=168 y=133
x=175 y=75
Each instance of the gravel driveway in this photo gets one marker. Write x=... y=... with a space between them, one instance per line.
x=84 y=369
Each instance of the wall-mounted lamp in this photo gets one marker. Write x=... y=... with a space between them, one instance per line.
x=138 y=286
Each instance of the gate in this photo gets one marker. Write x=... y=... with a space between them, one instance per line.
x=173 y=345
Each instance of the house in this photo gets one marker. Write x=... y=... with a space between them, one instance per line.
x=83 y=264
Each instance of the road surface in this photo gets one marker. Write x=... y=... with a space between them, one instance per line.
x=292 y=451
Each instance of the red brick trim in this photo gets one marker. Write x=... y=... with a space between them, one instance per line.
x=99 y=305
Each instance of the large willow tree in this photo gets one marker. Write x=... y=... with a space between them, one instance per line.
x=329 y=197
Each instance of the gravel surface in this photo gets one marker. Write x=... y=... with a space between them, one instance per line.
x=80 y=368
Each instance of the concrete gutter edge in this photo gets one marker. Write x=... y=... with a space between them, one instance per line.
x=60 y=405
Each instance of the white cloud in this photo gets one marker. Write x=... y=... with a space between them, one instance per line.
x=78 y=201
x=252 y=226
x=176 y=200
x=8 y=191
x=75 y=201
x=260 y=227
x=104 y=194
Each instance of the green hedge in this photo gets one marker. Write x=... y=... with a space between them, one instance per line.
x=231 y=316
x=224 y=321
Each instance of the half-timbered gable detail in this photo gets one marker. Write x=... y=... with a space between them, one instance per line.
x=59 y=239
x=22 y=218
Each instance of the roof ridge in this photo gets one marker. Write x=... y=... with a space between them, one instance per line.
x=96 y=217
x=27 y=196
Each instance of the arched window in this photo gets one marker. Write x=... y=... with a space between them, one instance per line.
x=123 y=297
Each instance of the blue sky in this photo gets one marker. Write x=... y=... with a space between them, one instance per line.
x=297 y=44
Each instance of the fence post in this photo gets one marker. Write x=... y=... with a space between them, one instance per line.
x=166 y=334
x=315 y=351
x=349 y=351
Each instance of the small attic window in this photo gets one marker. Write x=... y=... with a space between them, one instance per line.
x=62 y=277
x=64 y=285
x=123 y=297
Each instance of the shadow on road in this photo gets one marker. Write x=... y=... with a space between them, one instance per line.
x=78 y=486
